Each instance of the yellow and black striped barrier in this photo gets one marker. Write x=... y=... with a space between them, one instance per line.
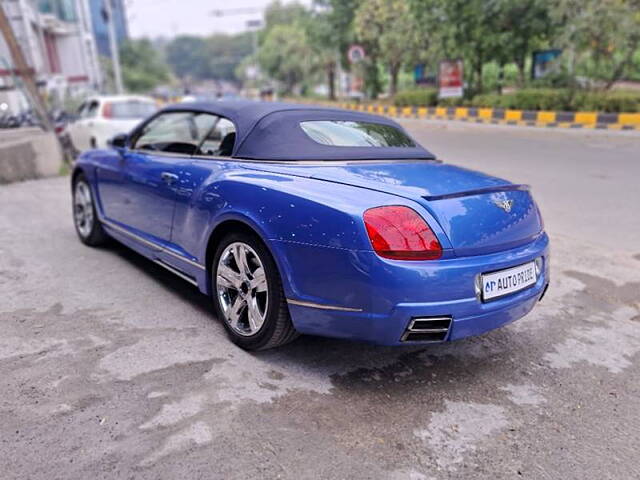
x=611 y=121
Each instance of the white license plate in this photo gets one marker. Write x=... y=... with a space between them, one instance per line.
x=508 y=281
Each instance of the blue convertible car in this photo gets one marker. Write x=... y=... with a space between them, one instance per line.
x=298 y=219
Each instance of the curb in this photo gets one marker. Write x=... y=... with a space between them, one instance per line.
x=499 y=116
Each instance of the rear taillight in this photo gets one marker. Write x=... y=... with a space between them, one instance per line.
x=399 y=233
x=106 y=110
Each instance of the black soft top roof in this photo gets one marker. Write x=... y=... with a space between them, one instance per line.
x=271 y=131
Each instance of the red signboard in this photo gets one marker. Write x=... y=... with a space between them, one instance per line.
x=450 y=79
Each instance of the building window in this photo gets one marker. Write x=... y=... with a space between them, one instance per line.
x=63 y=9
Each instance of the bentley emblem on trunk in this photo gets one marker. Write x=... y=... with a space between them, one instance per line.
x=504 y=204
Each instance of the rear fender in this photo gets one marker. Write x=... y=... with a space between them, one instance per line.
x=288 y=211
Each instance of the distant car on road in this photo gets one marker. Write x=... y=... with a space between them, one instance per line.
x=102 y=117
x=297 y=219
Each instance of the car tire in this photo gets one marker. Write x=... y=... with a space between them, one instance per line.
x=254 y=319
x=85 y=218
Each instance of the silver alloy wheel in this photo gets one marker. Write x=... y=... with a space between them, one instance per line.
x=242 y=288
x=83 y=208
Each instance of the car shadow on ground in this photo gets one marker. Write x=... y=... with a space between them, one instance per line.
x=170 y=282
x=330 y=356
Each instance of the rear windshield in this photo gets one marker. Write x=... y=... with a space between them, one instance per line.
x=132 y=109
x=339 y=133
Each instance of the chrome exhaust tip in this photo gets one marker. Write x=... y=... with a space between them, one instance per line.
x=427 y=329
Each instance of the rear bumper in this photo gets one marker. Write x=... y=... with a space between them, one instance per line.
x=390 y=294
x=388 y=330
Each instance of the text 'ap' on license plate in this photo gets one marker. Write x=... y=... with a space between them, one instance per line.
x=510 y=280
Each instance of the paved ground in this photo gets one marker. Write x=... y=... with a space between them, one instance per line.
x=112 y=368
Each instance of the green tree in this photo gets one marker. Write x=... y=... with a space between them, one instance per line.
x=279 y=13
x=324 y=44
x=522 y=27
x=213 y=57
x=187 y=55
x=224 y=53
x=285 y=55
x=464 y=29
x=340 y=15
x=601 y=36
x=387 y=26
x=143 y=67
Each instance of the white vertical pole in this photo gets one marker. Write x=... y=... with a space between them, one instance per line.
x=113 y=45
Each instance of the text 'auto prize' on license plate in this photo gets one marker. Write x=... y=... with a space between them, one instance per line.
x=507 y=281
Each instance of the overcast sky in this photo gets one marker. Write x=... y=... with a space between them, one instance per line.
x=153 y=18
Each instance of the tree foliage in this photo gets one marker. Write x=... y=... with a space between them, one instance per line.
x=388 y=30
x=143 y=68
x=213 y=57
x=522 y=27
x=464 y=29
x=187 y=55
x=285 y=55
x=279 y=13
x=601 y=36
x=325 y=47
x=301 y=44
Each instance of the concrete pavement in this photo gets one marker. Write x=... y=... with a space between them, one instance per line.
x=110 y=367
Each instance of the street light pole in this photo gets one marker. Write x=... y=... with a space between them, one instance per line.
x=254 y=26
x=113 y=45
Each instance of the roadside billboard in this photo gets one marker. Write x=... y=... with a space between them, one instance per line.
x=542 y=62
x=422 y=77
x=450 y=79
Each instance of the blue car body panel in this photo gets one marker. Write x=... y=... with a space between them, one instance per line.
x=310 y=216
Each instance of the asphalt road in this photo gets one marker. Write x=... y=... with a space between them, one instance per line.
x=112 y=368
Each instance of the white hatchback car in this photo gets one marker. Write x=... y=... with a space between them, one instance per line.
x=100 y=118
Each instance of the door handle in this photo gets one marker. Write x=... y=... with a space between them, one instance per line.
x=168 y=178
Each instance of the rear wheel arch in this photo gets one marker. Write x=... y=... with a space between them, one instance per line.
x=86 y=221
x=225 y=228
x=76 y=173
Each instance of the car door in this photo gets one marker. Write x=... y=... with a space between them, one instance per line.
x=206 y=164
x=140 y=193
x=81 y=131
x=74 y=127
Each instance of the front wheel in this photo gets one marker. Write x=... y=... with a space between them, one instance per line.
x=85 y=219
x=248 y=295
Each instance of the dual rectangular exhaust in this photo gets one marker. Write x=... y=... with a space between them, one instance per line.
x=427 y=329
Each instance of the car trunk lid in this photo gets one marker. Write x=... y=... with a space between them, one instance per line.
x=479 y=213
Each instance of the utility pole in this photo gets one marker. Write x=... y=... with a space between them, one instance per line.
x=254 y=26
x=24 y=71
x=113 y=45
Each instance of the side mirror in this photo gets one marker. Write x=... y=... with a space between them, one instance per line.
x=119 y=141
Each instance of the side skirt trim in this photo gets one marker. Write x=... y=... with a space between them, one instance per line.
x=177 y=272
x=150 y=244
x=321 y=306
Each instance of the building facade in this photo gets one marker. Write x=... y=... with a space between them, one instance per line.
x=100 y=27
x=58 y=43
